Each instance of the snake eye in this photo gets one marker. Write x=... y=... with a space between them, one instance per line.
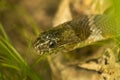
x=52 y=44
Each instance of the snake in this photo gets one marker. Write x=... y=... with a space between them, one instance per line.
x=84 y=28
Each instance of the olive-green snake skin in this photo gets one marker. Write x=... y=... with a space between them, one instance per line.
x=75 y=31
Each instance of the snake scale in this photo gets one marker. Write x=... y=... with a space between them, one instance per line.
x=75 y=31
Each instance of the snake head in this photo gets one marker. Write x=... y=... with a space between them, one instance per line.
x=45 y=43
x=56 y=39
x=48 y=40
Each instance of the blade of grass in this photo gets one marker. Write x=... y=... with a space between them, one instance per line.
x=3 y=32
x=10 y=66
x=10 y=58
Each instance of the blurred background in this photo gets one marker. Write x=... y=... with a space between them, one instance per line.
x=21 y=21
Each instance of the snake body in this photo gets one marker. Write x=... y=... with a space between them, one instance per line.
x=75 y=31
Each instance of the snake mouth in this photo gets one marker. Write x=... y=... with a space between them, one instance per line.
x=39 y=50
x=43 y=48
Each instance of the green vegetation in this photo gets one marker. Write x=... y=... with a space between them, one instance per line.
x=12 y=65
x=18 y=30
